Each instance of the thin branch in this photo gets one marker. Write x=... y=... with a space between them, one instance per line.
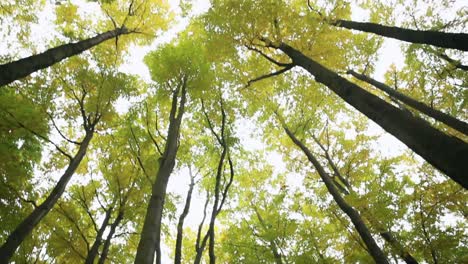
x=138 y=154
x=285 y=69
x=17 y=193
x=281 y=64
x=39 y=135
x=60 y=132
x=210 y=125
x=149 y=132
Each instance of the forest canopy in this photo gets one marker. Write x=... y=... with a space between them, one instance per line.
x=233 y=131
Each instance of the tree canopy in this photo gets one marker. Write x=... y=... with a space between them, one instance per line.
x=227 y=131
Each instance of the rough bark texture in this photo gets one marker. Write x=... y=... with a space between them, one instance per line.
x=447 y=153
x=113 y=227
x=353 y=215
x=16 y=70
x=94 y=251
x=150 y=239
x=180 y=224
x=15 y=239
x=429 y=37
x=423 y=108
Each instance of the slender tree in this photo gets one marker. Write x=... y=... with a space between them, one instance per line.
x=16 y=70
x=444 y=152
x=354 y=215
x=219 y=193
x=26 y=226
x=423 y=108
x=429 y=37
x=180 y=224
x=387 y=235
x=150 y=240
x=107 y=243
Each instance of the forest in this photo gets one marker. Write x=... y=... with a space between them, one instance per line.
x=233 y=131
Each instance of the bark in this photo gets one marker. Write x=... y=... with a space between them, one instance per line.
x=455 y=63
x=354 y=215
x=180 y=225
x=401 y=251
x=423 y=108
x=199 y=243
x=15 y=239
x=16 y=70
x=150 y=239
x=387 y=235
x=444 y=152
x=94 y=251
x=113 y=227
x=429 y=37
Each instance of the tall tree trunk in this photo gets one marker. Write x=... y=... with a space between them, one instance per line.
x=16 y=70
x=215 y=210
x=423 y=108
x=447 y=153
x=113 y=227
x=180 y=224
x=15 y=239
x=150 y=240
x=354 y=215
x=93 y=252
x=429 y=37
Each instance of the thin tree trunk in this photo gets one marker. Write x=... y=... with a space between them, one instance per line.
x=215 y=210
x=354 y=215
x=113 y=227
x=401 y=251
x=429 y=37
x=444 y=152
x=16 y=70
x=150 y=240
x=94 y=251
x=180 y=225
x=423 y=108
x=15 y=239
x=199 y=243
x=387 y=235
x=455 y=63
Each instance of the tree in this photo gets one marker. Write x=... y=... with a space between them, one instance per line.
x=86 y=98
x=430 y=37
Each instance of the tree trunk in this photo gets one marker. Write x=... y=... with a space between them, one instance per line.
x=423 y=108
x=215 y=210
x=93 y=252
x=429 y=37
x=150 y=239
x=401 y=251
x=180 y=225
x=15 y=239
x=354 y=215
x=105 y=249
x=200 y=244
x=447 y=153
x=16 y=70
